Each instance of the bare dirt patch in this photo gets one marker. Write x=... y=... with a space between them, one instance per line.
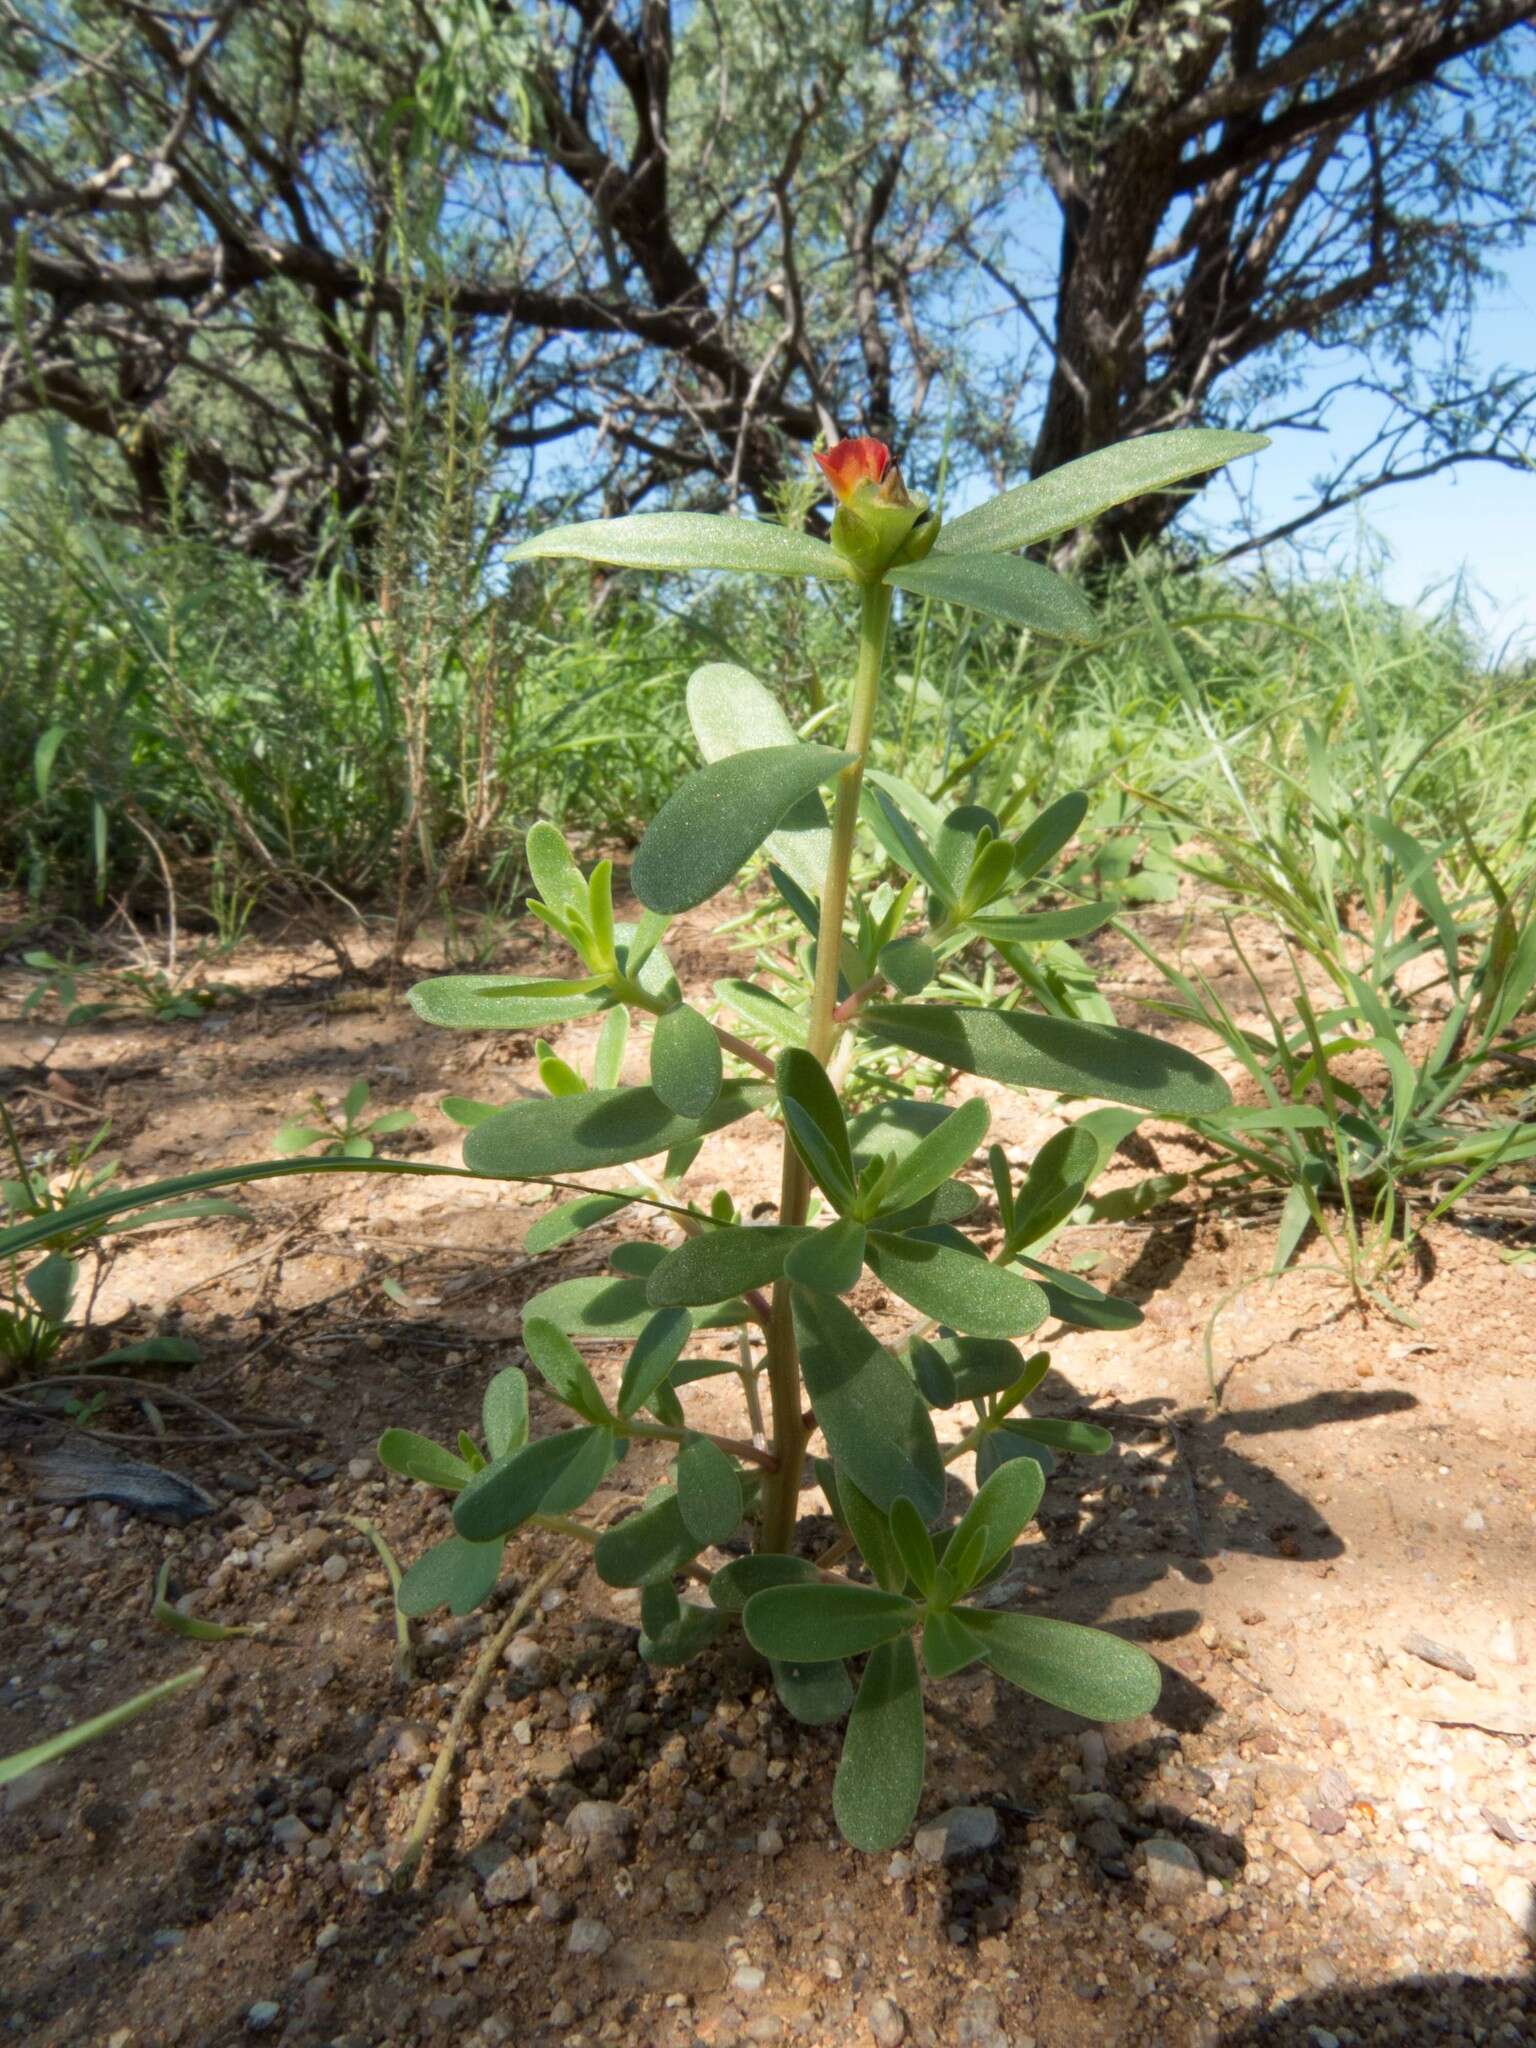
x=1318 y=1835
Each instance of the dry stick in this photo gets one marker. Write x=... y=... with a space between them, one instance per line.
x=155 y=1392
x=1187 y=1471
x=468 y=1701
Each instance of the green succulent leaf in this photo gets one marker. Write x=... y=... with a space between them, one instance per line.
x=814 y=1624
x=637 y=1256
x=503 y=1496
x=652 y=1544
x=1078 y=1302
x=1044 y=836
x=708 y=1492
x=937 y=1157
x=1002 y=586
x=735 y=1583
x=686 y=1067
x=893 y=1130
x=957 y=1287
x=795 y=899
x=1078 y=492
x=933 y=1375
x=887 y=819
x=501 y=1002
x=714 y=822
x=452 y=1574
x=879 y=1782
x=1058 y=1175
x=1060 y=1053
x=871 y=1531
x=951 y=1203
x=465 y=1111
x=958 y=839
x=417 y=1457
x=660 y=1607
x=600 y=1309
x=722 y=1262
x=563 y=1368
x=767 y=1011
x=614 y=1035
x=875 y=1421
x=909 y=1532
x=978 y=1366
x=1087 y=1671
x=813 y=1117
x=556 y=876
x=813 y=1694
x=1000 y=1447
x=504 y=1412
x=1076 y=922
x=731 y=713
x=692 y=1630
x=1087 y=1439
x=830 y=1260
x=604 y=1127
x=557 y=1075
x=570 y=1219
x=1000 y=1512
x=963 y=1562
x=593 y=1461
x=687 y=540
x=949 y=1645
x=656 y=1352
x=908 y=965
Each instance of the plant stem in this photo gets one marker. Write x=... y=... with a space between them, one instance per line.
x=781 y=1493
x=738 y=1447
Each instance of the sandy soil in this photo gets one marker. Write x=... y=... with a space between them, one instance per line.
x=1319 y=1836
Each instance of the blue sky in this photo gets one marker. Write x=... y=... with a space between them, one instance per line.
x=1476 y=521
x=1477 y=518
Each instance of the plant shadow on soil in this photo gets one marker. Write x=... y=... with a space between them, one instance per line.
x=1412 y=2010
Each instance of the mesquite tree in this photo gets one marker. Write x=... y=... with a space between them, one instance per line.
x=245 y=250
x=876 y=1192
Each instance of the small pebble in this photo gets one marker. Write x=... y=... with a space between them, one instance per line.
x=588 y=1938
x=959 y=1832
x=1172 y=1871
x=526 y=1659
x=264 y=2014
x=887 y=2023
x=748 y=1979
x=509 y=1884
x=603 y=1827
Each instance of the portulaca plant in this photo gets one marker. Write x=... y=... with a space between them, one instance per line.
x=827 y=1404
x=878 y=1192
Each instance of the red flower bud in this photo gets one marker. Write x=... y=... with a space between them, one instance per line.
x=877 y=522
x=851 y=464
